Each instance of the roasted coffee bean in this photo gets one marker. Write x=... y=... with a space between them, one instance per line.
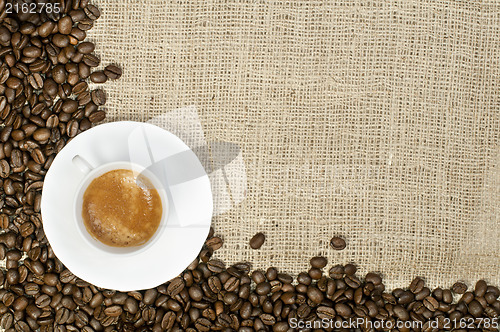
x=98 y=77
x=263 y=288
x=168 y=320
x=232 y=284
x=78 y=34
x=86 y=47
x=7 y=321
x=32 y=52
x=113 y=72
x=203 y=324
x=98 y=97
x=65 y=25
x=13 y=82
x=343 y=310
x=257 y=241
x=94 y=116
x=431 y=303
x=216 y=266
x=459 y=288
x=352 y=281
x=267 y=319
x=314 y=294
x=318 y=262
x=337 y=243
x=325 y=312
x=215 y=284
x=92 y=12
x=91 y=60
x=4 y=168
x=80 y=87
x=475 y=308
x=175 y=287
x=480 y=288
x=113 y=311
x=72 y=128
x=46 y=29
x=60 y=40
x=214 y=243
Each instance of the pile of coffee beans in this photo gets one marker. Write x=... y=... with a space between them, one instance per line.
x=45 y=101
x=41 y=294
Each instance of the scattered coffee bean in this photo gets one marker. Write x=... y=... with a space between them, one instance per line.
x=318 y=262
x=257 y=241
x=113 y=72
x=338 y=243
x=98 y=77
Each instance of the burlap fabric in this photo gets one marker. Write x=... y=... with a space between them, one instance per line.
x=374 y=120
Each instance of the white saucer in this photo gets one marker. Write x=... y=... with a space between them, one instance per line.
x=189 y=212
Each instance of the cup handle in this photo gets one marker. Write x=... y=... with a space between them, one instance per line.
x=83 y=165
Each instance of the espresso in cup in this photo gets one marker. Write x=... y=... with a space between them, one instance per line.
x=121 y=208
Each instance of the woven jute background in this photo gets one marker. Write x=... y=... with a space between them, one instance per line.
x=374 y=120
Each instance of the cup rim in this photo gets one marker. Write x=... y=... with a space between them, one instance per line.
x=78 y=200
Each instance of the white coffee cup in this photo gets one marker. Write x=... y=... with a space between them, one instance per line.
x=93 y=173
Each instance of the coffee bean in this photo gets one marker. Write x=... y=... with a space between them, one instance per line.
x=46 y=29
x=59 y=74
x=168 y=320
x=263 y=288
x=98 y=97
x=216 y=266
x=459 y=287
x=7 y=321
x=60 y=40
x=431 y=303
x=203 y=324
x=324 y=312
x=113 y=311
x=13 y=83
x=343 y=310
x=32 y=52
x=350 y=269
x=314 y=294
x=86 y=47
x=92 y=12
x=91 y=60
x=338 y=243
x=214 y=243
x=113 y=72
x=267 y=319
x=41 y=134
x=232 y=284
x=175 y=287
x=480 y=288
x=318 y=262
x=84 y=98
x=352 y=281
x=148 y=314
x=72 y=128
x=42 y=301
x=97 y=116
x=80 y=87
x=4 y=168
x=26 y=229
x=475 y=308
x=257 y=241
x=65 y=25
